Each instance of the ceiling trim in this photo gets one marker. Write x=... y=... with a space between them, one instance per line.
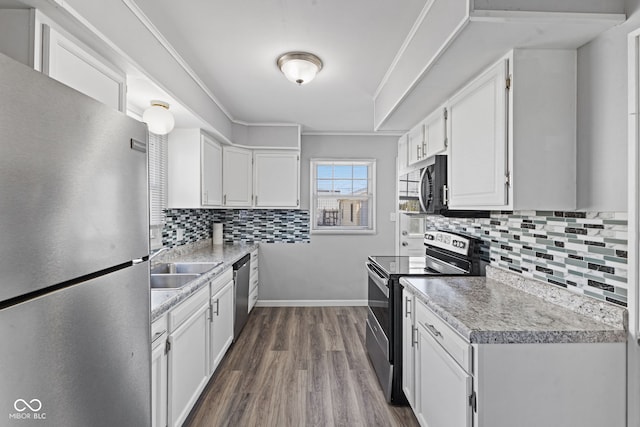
x=338 y=133
x=144 y=19
x=404 y=46
x=240 y=122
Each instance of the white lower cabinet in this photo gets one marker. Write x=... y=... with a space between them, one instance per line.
x=452 y=383
x=188 y=355
x=408 y=343
x=442 y=386
x=159 y=372
x=222 y=306
x=253 y=280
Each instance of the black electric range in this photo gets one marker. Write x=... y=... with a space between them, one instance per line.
x=446 y=254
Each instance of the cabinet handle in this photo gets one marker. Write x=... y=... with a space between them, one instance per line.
x=414 y=341
x=218 y=307
x=224 y=199
x=418 y=152
x=407 y=309
x=433 y=330
x=206 y=198
x=157 y=336
x=256 y=200
x=210 y=313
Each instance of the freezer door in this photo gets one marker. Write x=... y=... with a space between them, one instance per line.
x=79 y=356
x=73 y=192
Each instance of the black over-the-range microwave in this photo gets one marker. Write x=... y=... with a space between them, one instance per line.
x=425 y=191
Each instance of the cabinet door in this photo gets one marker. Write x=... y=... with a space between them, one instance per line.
x=403 y=153
x=72 y=65
x=276 y=179
x=211 y=155
x=477 y=122
x=236 y=176
x=415 y=144
x=435 y=133
x=188 y=364
x=408 y=371
x=159 y=385
x=442 y=386
x=221 y=324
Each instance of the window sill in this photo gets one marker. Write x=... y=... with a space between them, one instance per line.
x=343 y=232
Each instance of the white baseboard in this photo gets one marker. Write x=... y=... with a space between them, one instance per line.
x=312 y=303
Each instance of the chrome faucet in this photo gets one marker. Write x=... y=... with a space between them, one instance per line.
x=156 y=253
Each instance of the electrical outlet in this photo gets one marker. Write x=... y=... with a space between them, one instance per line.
x=180 y=234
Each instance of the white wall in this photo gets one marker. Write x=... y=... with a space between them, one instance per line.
x=602 y=118
x=331 y=267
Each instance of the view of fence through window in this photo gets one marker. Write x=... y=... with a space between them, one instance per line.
x=343 y=193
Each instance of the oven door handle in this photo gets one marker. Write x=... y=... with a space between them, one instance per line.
x=378 y=280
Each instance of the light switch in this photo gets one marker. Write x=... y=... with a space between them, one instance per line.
x=392 y=217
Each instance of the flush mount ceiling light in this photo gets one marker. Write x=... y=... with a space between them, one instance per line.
x=299 y=67
x=158 y=118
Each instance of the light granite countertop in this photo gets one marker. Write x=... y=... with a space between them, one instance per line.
x=487 y=311
x=162 y=300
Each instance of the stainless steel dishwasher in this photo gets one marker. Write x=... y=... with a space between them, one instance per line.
x=241 y=275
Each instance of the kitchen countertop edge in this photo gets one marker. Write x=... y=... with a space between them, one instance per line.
x=478 y=335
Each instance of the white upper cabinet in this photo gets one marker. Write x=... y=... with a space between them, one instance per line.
x=30 y=37
x=403 y=154
x=81 y=69
x=194 y=170
x=237 y=176
x=435 y=133
x=211 y=172
x=512 y=135
x=477 y=128
x=276 y=179
x=416 y=144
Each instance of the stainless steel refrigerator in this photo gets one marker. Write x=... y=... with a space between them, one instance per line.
x=74 y=275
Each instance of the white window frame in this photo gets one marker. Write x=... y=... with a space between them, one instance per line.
x=314 y=197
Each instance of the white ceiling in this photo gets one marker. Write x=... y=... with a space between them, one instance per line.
x=232 y=47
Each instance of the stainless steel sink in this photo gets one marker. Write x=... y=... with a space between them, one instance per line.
x=184 y=267
x=171 y=281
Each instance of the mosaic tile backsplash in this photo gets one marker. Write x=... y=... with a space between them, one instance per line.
x=240 y=225
x=585 y=252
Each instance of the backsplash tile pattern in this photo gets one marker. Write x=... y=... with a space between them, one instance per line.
x=585 y=252
x=240 y=225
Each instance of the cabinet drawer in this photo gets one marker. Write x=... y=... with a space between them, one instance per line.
x=253 y=298
x=219 y=282
x=158 y=331
x=254 y=262
x=453 y=343
x=253 y=283
x=182 y=312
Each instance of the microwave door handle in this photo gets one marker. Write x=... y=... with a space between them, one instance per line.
x=423 y=205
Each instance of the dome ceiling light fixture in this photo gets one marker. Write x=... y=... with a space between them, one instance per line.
x=158 y=118
x=299 y=67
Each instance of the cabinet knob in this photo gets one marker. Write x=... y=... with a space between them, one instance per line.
x=405 y=244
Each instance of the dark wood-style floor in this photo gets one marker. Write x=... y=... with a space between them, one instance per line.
x=298 y=366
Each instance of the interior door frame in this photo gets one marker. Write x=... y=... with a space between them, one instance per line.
x=633 y=356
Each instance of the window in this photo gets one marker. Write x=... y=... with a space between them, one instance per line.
x=343 y=196
x=158 y=147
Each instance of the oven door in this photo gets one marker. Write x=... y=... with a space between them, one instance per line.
x=378 y=300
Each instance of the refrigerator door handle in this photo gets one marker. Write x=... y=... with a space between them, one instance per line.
x=137 y=261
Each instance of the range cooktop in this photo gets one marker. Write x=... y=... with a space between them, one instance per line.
x=401 y=265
